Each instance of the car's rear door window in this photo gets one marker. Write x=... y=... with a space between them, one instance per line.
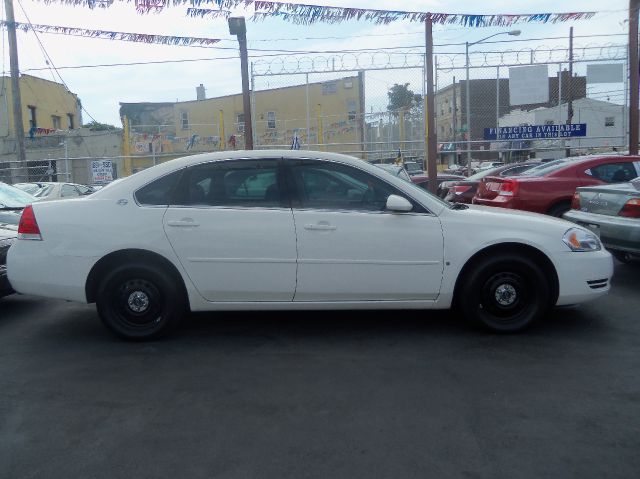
x=244 y=183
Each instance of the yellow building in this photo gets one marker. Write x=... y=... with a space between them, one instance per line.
x=46 y=106
x=325 y=115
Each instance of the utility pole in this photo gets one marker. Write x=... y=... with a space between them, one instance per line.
x=570 y=87
x=633 y=76
x=455 y=121
x=431 y=149
x=19 y=174
x=238 y=27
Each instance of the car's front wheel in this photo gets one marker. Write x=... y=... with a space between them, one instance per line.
x=505 y=293
x=139 y=301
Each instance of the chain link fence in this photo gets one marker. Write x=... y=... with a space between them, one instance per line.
x=469 y=113
x=371 y=105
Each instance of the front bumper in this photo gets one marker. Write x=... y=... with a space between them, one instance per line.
x=583 y=276
x=615 y=232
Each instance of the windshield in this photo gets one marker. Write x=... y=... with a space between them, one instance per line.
x=45 y=191
x=30 y=188
x=11 y=197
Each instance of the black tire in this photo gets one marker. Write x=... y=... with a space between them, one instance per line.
x=621 y=256
x=504 y=294
x=140 y=301
x=559 y=209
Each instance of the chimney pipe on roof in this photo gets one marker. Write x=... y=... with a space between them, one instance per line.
x=200 y=92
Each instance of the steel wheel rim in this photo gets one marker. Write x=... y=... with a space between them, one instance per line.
x=138 y=304
x=505 y=296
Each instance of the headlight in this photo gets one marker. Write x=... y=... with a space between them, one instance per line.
x=581 y=240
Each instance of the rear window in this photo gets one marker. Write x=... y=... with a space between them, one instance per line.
x=546 y=168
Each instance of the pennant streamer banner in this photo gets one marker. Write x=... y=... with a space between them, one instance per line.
x=307 y=14
x=128 y=37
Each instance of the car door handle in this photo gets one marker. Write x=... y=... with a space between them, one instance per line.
x=184 y=222
x=320 y=227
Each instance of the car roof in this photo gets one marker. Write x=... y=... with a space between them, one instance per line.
x=154 y=172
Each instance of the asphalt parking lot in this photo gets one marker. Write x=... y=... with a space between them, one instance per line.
x=339 y=395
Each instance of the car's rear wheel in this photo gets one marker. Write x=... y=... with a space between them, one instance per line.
x=505 y=293
x=140 y=301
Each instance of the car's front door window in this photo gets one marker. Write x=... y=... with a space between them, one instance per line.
x=334 y=186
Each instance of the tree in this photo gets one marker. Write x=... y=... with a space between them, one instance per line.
x=401 y=98
x=97 y=126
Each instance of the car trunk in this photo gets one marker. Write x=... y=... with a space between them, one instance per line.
x=606 y=200
x=490 y=187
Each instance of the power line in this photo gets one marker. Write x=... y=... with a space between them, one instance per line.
x=157 y=62
x=50 y=60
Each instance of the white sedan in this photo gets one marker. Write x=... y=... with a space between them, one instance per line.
x=275 y=230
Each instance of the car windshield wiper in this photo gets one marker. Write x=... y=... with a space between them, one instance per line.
x=459 y=206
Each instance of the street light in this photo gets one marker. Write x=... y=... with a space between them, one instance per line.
x=514 y=33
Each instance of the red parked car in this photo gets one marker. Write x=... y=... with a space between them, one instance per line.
x=549 y=188
x=464 y=190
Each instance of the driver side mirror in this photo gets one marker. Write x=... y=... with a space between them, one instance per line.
x=398 y=204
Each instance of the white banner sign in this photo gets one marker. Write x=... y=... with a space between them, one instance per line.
x=605 y=73
x=529 y=85
x=101 y=172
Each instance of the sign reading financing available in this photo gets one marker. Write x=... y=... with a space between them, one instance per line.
x=535 y=132
x=101 y=171
x=528 y=85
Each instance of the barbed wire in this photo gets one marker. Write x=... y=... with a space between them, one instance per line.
x=448 y=61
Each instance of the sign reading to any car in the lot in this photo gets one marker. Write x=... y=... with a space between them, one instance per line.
x=535 y=132
x=101 y=171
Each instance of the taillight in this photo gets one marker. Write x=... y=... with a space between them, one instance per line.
x=28 y=228
x=458 y=190
x=508 y=188
x=575 y=202
x=631 y=209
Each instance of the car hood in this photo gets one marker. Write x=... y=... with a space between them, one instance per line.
x=504 y=219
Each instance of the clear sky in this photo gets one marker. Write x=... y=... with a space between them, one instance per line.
x=102 y=88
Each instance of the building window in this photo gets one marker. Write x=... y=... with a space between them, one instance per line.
x=609 y=121
x=271 y=120
x=351 y=110
x=240 y=122
x=56 y=122
x=184 y=120
x=70 y=122
x=329 y=88
x=32 y=117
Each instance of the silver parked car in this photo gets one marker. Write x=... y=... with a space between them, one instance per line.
x=49 y=190
x=613 y=213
